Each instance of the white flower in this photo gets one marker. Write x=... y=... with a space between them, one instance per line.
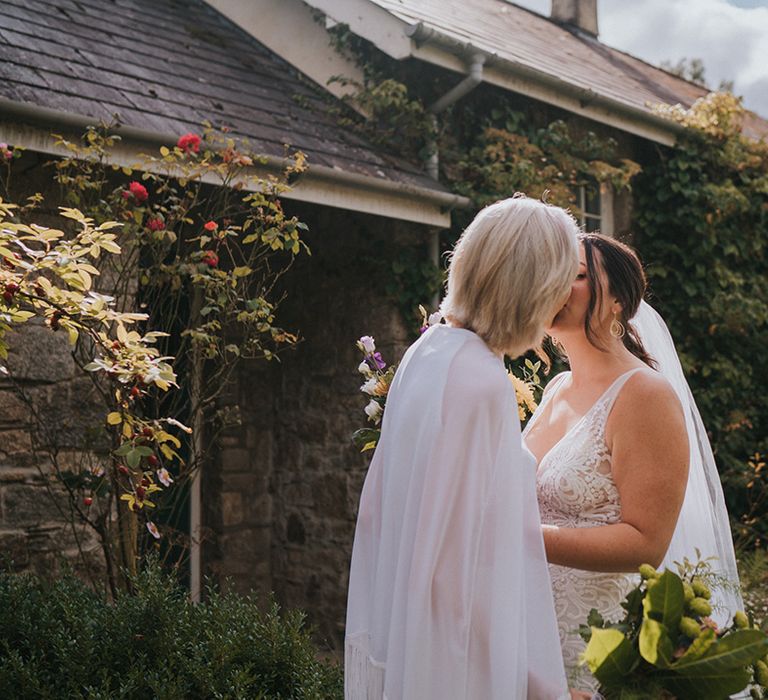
x=367 y=344
x=164 y=477
x=364 y=369
x=153 y=530
x=434 y=318
x=373 y=411
x=369 y=386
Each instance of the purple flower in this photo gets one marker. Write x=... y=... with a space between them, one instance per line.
x=366 y=344
x=375 y=361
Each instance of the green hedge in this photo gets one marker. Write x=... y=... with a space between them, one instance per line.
x=61 y=640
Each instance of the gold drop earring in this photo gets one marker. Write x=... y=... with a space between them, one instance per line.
x=617 y=327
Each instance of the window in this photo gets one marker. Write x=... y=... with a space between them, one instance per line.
x=595 y=200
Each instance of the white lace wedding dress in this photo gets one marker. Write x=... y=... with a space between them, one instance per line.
x=575 y=489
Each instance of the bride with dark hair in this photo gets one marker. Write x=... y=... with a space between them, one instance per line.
x=625 y=472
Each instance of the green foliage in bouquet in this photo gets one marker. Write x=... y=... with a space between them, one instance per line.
x=667 y=646
x=62 y=640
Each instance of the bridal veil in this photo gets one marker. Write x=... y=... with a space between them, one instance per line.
x=703 y=523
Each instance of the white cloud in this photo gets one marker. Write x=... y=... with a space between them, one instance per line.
x=731 y=38
x=731 y=41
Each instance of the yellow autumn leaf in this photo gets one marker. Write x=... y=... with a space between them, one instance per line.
x=369 y=446
x=162 y=436
x=127 y=430
x=114 y=418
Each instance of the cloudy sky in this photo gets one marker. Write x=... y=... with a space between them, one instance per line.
x=730 y=36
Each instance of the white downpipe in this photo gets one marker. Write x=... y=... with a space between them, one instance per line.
x=195 y=491
x=473 y=78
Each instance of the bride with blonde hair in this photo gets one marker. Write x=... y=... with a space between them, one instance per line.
x=449 y=594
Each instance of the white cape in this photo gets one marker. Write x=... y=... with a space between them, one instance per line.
x=449 y=593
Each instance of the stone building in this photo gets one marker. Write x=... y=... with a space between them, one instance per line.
x=279 y=498
x=278 y=502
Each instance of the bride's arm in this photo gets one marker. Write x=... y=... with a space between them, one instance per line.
x=649 y=446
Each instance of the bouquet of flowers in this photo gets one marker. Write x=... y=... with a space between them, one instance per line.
x=668 y=646
x=378 y=377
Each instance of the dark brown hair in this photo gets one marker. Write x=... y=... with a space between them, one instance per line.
x=626 y=284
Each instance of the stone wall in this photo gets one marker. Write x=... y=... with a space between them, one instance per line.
x=48 y=411
x=286 y=485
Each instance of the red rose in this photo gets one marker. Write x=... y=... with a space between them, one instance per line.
x=189 y=143
x=137 y=191
x=210 y=258
x=156 y=224
x=210 y=226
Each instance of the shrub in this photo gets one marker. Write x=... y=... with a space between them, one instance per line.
x=61 y=640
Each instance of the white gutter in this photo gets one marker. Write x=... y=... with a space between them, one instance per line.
x=552 y=89
x=320 y=184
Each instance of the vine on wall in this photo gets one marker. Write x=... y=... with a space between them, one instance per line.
x=702 y=224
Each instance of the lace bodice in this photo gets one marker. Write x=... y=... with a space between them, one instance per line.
x=575 y=488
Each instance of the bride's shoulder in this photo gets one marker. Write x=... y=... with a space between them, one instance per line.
x=647 y=391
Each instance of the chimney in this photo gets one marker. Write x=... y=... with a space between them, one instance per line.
x=581 y=14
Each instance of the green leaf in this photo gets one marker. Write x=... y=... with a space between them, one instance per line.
x=664 y=601
x=133 y=458
x=735 y=650
x=707 y=685
x=654 y=643
x=609 y=655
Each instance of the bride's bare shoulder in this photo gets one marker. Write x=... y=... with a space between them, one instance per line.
x=647 y=393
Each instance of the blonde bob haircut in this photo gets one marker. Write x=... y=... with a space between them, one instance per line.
x=509 y=270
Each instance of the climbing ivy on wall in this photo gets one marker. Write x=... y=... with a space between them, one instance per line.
x=701 y=222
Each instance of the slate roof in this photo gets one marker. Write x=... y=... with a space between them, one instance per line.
x=521 y=36
x=167 y=65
